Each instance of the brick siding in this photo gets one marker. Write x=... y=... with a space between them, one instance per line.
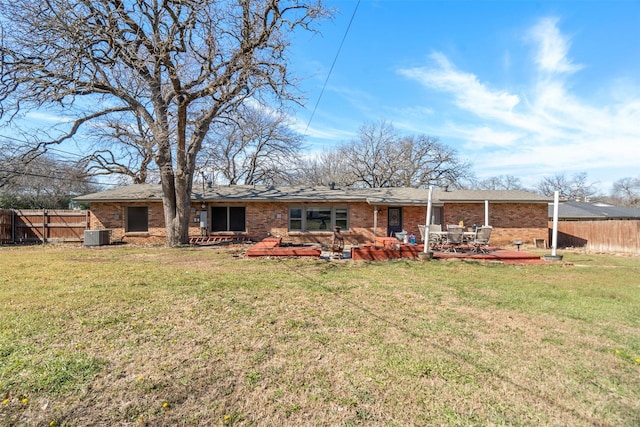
x=511 y=221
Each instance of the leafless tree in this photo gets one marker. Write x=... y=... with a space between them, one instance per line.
x=256 y=147
x=122 y=147
x=43 y=182
x=502 y=182
x=176 y=65
x=626 y=192
x=574 y=188
x=380 y=157
x=422 y=160
x=323 y=169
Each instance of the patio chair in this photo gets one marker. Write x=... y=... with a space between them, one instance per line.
x=454 y=238
x=481 y=242
x=422 y=236
x=436 y=237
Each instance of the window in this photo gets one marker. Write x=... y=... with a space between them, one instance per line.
x=137 y=218
x=318 y=218
x=228 y=218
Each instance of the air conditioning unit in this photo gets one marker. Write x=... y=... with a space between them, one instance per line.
x=96 y=237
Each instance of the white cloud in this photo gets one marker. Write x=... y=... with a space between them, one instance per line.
x=469 y=93
x=545 y=129
x=45 y=117
x=552 y=47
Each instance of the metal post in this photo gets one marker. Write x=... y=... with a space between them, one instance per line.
x=486 y=213
x=375 y=224
x=554 y=240
x=428 y=222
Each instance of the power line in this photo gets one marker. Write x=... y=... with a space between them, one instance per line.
x=64 y=178
x=335 y=59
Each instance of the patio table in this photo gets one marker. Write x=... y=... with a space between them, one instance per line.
x=468 y=236
x=437 y=237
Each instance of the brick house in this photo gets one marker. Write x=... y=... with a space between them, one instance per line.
x=308 y=214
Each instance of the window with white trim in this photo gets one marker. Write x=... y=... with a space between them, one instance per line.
x=318 y=218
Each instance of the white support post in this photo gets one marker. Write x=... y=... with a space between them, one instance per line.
x=428 y=221
x=486 y=213
x=375 y=224
x=554 y=237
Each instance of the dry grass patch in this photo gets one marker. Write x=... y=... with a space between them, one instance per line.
x=121 y=335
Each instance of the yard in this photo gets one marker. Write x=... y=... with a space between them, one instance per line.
x=154 y=336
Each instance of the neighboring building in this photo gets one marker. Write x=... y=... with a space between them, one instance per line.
x=597 y=227
x=573 y=210
x=308 y=214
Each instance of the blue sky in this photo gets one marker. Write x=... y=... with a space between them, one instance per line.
x=523 y=88
x=517 y=87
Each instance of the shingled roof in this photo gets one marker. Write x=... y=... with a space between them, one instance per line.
x=574 y=210
x=374 y=196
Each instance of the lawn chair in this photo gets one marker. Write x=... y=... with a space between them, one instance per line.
x=481 y=241
x=454 y=238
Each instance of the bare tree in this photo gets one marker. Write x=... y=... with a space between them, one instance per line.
x=502 y=182
x=257 y=147
x=177 y=65
x=323 y=169
x=43 y=182
x=380 y=157
x=371 y=157
x=574 y=188
x=626 y=192
x=422 y=160
x=122 y=148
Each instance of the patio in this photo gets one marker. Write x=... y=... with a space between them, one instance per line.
x=389 y=249
x=402 y=251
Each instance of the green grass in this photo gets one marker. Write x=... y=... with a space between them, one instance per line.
x=155 y=336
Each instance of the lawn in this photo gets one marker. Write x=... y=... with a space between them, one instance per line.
x=203 y=336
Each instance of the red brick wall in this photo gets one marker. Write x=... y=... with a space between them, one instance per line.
x=264 y=219
x=510 y=221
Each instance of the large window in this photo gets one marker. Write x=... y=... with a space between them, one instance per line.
x=137 y=218
x=228 y=218
x=318 y=218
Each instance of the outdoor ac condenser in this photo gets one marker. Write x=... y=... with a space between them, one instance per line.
x=96 y=237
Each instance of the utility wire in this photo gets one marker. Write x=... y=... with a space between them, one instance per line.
x=54 y=177
x=335 y=59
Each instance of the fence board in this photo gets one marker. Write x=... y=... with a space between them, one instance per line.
x=601 y=236
x=50 y=225
x=6 y=226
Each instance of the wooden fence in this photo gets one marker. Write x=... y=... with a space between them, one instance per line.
x=42 y=226
x=6 y=226
x=600 y=236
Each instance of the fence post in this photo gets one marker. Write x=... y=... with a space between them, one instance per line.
x=44 y=226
